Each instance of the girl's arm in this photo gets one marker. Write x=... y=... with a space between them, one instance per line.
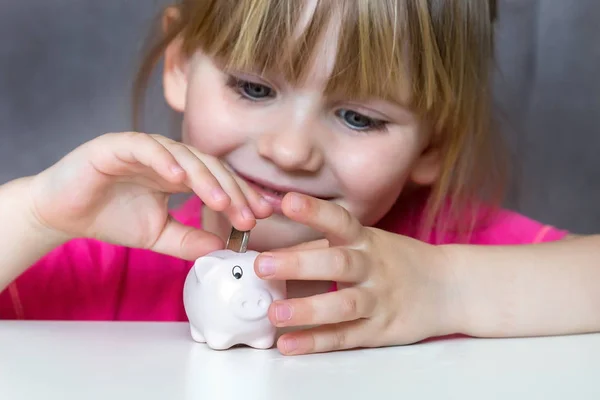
x=23 y=240
x=528 y=290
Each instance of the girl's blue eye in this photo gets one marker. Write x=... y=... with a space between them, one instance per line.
x=357 y=121
x=250 y=90
x=256 y=90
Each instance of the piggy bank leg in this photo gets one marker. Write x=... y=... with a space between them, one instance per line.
x=196 y=335
x=219 y=340
x=265 y=342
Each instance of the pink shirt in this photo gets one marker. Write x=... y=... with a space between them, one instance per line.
x=91 y=280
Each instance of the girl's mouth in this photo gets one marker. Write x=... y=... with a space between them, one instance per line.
x=271 y=193
x=273 y=196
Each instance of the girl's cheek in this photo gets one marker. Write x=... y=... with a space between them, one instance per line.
x=371 y=199
x=373 y=179
x=365 y=170
x=210 y=138
x=211 y=126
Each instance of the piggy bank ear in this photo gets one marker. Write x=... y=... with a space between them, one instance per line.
x=203 y=265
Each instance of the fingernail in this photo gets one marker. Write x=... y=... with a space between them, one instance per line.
x=176 y=169
x=290 y=345
x=247 y=213
x=218 y=194
x=266 y=265
x=283 y=313
x=264 y=202
x=296 y=202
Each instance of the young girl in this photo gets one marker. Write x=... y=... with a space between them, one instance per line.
x=353 y=138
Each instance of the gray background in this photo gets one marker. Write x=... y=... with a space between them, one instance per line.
x=66 y=68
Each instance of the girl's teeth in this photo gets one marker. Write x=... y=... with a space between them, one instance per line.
x=273 y=191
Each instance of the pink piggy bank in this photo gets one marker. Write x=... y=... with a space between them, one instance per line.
x=227 y=304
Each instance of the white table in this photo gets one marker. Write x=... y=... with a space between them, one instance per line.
x=141 y=361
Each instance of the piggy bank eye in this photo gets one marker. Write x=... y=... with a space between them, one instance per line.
x=237 y=272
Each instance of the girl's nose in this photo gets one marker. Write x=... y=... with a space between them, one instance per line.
x=292 y=150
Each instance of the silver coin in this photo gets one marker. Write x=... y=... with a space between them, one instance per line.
x=238 y=240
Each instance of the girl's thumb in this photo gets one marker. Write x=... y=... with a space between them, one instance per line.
x=186 y=242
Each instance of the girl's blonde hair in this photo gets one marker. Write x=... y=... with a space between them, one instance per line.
x=442 y=50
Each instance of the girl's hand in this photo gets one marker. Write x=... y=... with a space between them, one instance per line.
x=116 y=187
x=391 y=289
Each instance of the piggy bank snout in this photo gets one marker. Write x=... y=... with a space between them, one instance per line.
x=251 y=303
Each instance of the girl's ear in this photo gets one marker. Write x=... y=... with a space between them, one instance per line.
x=175 y=66
x=426 y=169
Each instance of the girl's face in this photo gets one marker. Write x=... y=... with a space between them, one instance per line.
x=281 y=138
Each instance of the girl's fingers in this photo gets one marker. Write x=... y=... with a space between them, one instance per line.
x=340 y=264
x=246 y=195
x=131 y=149
x=328 y=308
x=327 y=217
x=150 y=179
x=213 y=192
x=242 y=208
x=185 y=242
x=181 y=166
x=239 y=201
x=155 y=155
x=326 y=338
x=260 y=207
x=199 y=173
